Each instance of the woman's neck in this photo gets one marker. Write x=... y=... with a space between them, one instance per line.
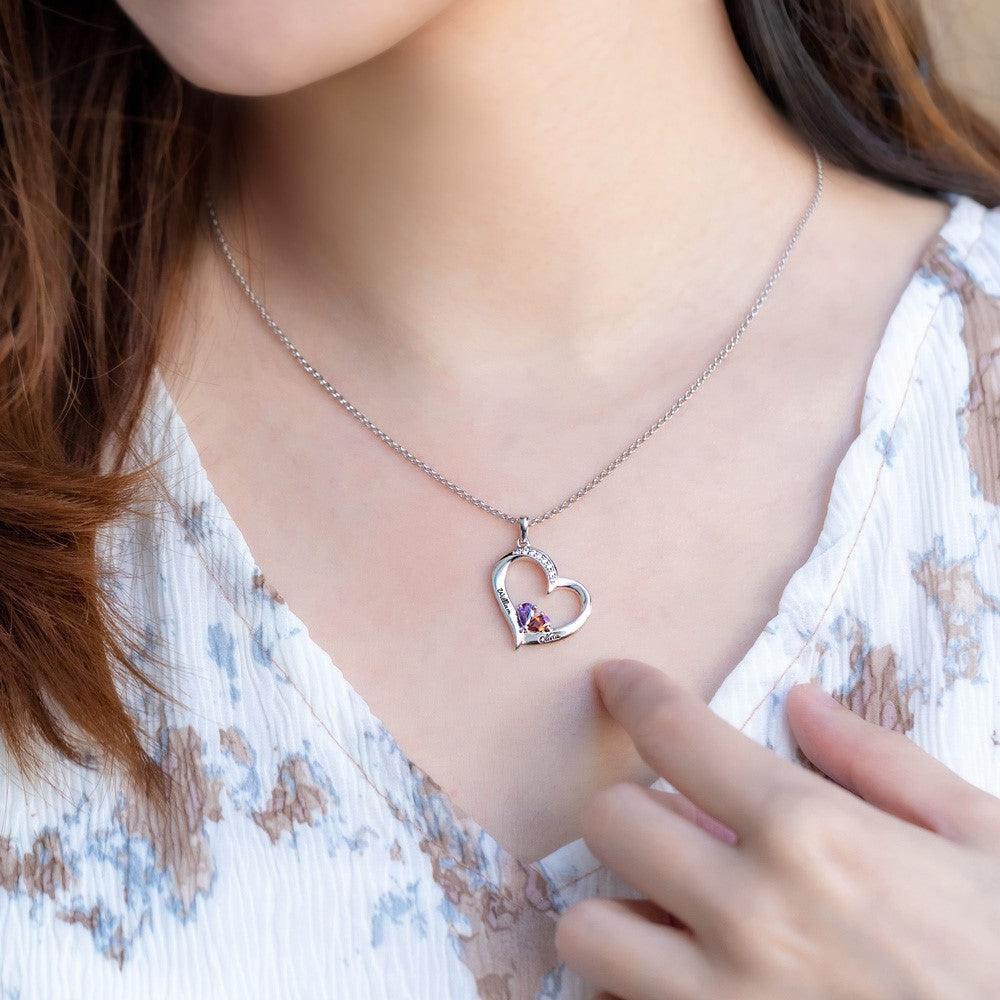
x=569 y=175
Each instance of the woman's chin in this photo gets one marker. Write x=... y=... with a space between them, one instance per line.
x=257 y=48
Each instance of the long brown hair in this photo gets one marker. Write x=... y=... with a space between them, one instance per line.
x=102 y=168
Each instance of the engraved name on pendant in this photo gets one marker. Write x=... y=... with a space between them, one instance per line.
x=528 y=624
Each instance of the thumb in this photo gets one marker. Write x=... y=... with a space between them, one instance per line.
x=889 y=771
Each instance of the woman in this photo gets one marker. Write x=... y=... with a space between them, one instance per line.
x=725 y=278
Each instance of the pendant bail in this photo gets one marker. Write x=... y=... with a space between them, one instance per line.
x=522 y=527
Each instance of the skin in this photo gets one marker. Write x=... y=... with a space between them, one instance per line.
x=504 y=231
x=799 y=886
x=258 y=47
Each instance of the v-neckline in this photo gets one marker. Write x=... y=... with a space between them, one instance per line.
x=805 y=601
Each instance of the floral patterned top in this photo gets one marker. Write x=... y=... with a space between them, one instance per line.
x=306 y=857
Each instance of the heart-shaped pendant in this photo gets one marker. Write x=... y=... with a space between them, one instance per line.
x=528 y=625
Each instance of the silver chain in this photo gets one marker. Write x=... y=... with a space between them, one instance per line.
x=620 y=459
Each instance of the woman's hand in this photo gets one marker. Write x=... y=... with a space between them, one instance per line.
x=802 y=889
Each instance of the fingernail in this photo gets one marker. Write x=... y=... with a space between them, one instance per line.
x=608 y=668
x=610 y=671
x=820 y=697
x=613 y=677
x=606 y=673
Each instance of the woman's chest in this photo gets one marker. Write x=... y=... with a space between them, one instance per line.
x=516 y=737
x=685 y=554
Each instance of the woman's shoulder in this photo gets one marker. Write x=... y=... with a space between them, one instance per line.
x=930 y=424
x=949 y=374
x=966 y=251
x=965 y=261
x=963 y=265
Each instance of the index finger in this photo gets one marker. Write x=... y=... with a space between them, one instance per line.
x=714 y=765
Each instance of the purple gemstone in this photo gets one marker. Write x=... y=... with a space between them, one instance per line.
x=524 y=613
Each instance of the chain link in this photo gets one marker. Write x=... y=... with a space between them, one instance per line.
x=440 y=477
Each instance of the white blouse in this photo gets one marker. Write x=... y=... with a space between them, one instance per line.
x=307 y=857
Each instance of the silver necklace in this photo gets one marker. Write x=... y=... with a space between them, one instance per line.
x=528 y=624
